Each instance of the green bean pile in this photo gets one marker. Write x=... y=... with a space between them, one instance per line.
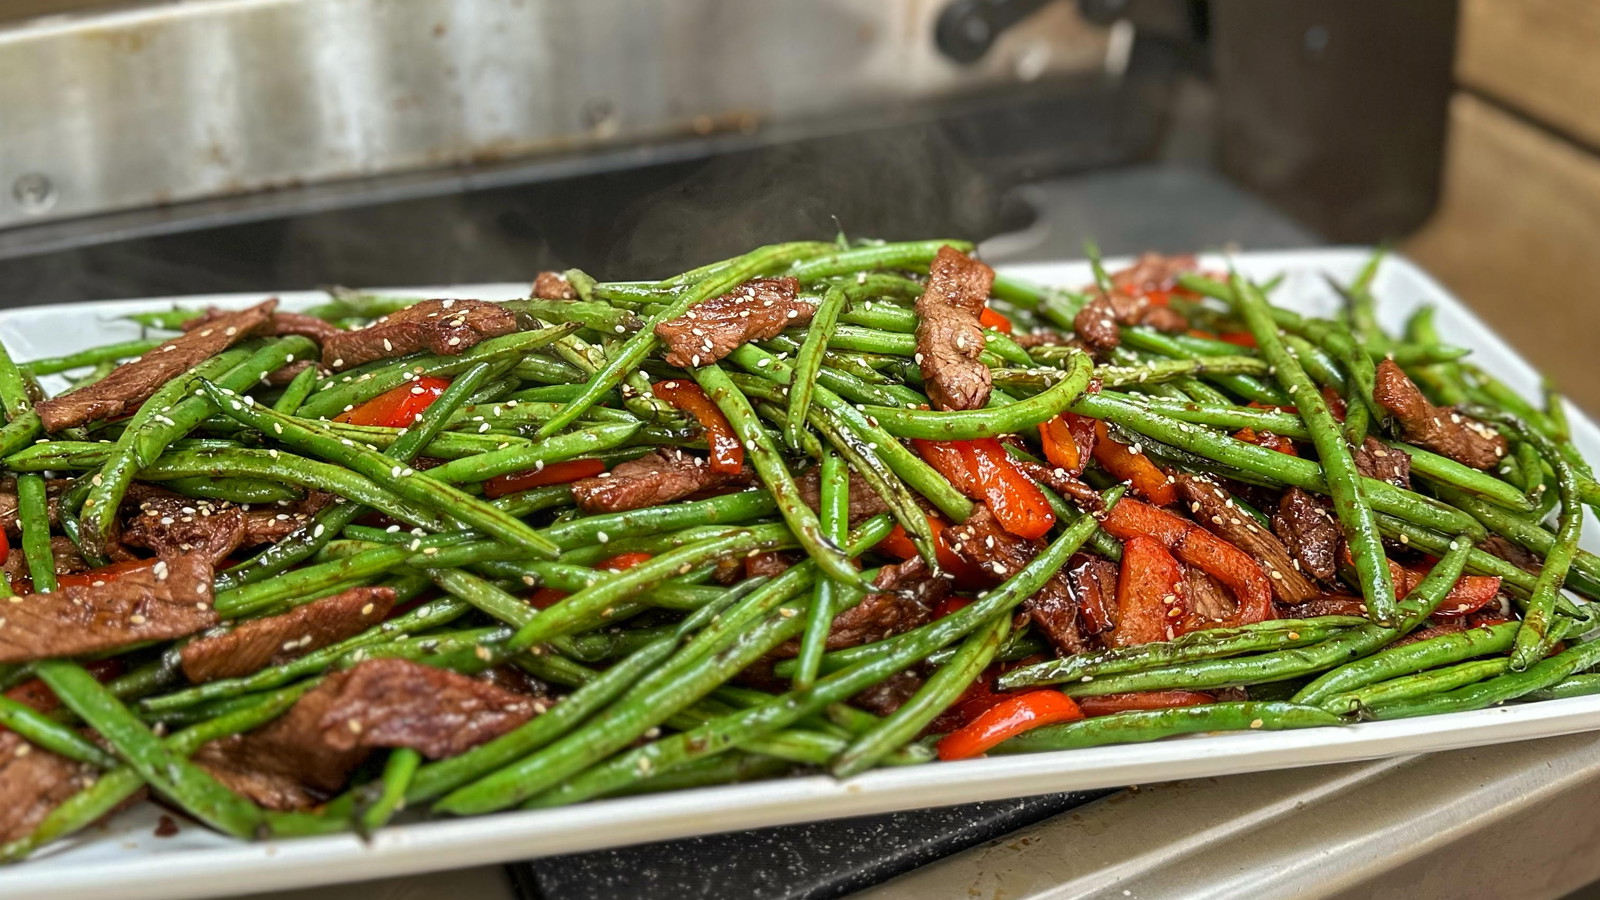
x=665 y=672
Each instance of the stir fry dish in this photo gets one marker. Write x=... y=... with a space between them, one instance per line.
x=822 y=507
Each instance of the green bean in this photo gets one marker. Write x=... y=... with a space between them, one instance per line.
x=762 y=451
x=93 y=356
x=168 y=772
x=390 y=797
x=51 y=735
x=1420 y=684
x=969 y=424
x=834 y=514
x=602 y=595
x=19 y=433
x=1343 y=481
x=296 y=392
x=1571 y=686
x=1396 y=661
x=383 y=471
x=1211 y=643
x=234 y=489
x=1151 y=725
x=1447 y=471
x=33 y=517
x=912 y=255
x=1534 y=638
x=1540 y=675
x=601 y=317
x=809 y=362
x=483 y=466
x=936 y=694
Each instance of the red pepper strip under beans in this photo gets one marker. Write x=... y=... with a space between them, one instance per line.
x=544 y=598
x=555 y=473
x=991 y=319
x=1007 y=719
x=1069 y=441
x=1192 y=544
x=727 y=454
x=1469 y=594
x=898 y=544
x=397 y=407
x=1106 y=704
x=1143 y=476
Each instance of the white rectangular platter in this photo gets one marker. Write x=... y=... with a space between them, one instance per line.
x=126 y=860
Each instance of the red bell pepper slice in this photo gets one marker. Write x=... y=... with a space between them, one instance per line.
x=5 y=547
x=981 y=469
x=1266 y=439
x=398 y=407
x=1469 y=594
x=1239 y=338
x=1006 y=720
x=1144 y=476
x=1069 y=441
x=898 y=544
x=555 y=473
x=1106 y=704
x=544 y=598
x=727 y=453
x=1236 y=569
x=104 y=573
x=1149 y=594
x=991 y=319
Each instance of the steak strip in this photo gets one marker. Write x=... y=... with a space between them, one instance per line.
x=757 y=310
x=1437 y=428
x=983 y=544
x=133 y=382
x=949 y=336
x=158 y=600
x=447 y=327
x=1309 y=531
x=311 y=751
x=654 y=479
x=1216 y=511
x=275 y=640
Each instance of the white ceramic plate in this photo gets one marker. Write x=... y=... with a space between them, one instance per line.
x=126 y=860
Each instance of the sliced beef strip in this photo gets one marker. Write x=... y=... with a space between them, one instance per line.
x=437 y=712
x=883 y=698
x=34 y=781
x=1332 y=605
x=864 y=500
x=268 y=525
x=909 y=593
x=174 y=526
x=1206 y=597
x=1096 y=323
x=1153 y=272
x=279 y=325
x=553 y=286
x=158 y=600
x=132 y=383
x=1215 y=510
x=983 y=544
x=1437 y=428
x=1374 y=460
x=1064 y=483
x=664 y=476
x=1310 y=532
x=275 y=640
x=309 y=753
x=448 y=327
x=1093 y=581
x=757 y=310
x=282 y=377
x=1516 y=554
x=768 y=564
x=949 y=337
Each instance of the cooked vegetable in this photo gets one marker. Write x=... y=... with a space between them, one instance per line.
x=543 y=549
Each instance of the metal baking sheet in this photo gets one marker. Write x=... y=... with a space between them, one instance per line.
x=127 y=859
